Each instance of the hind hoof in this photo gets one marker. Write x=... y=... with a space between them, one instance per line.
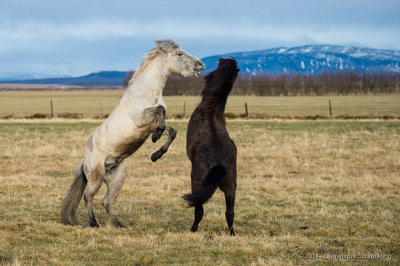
x=114 y=220
x=119 y=225
x=94 y=225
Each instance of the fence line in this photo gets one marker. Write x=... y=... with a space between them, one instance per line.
x=294 y=107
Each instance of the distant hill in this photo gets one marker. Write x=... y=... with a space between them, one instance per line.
x=26 y=76
x=312 y=59
x=104 y=78
x=309 y=59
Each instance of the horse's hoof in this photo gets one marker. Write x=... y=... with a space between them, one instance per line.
x=114 y=220
x=94 y=225
x=193 y=229
x=154 y=137
x=119 y=225
x=155 y=156
x=232 y=233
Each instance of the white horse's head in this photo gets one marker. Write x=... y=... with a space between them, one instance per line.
x=178 y=61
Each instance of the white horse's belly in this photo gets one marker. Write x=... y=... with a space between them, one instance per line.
x=117 y=142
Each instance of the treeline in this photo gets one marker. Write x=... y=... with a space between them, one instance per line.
x=326 y=83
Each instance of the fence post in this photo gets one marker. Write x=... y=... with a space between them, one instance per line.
x=51 y=108
x=184 y=109
x=101 y=110
x=246 y=110
x=330 y=108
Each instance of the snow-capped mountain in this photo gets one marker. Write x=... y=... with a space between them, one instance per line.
x=312 y=59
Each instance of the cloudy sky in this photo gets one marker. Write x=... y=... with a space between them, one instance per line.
x=76 y=37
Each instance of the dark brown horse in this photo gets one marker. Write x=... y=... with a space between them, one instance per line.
x=209 y=147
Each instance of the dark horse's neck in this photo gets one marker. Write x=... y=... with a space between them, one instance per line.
x=219 y=83
x=214 y=104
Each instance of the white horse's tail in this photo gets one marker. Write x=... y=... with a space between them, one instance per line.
x=73 y=197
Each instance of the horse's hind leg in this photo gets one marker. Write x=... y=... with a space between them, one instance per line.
x=114 y=180
x=171 y=136
x=198 y=215
x=229 y=214
x=95 y=176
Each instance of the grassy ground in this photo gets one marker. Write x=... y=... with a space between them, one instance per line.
x=23 y=103
x=306 y=191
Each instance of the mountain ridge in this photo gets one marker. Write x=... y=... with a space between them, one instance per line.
x=312 y=59
x=307 y=59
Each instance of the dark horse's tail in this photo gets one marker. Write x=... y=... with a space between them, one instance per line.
x=210 y=184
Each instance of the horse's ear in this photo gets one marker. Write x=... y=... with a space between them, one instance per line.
x=158 y=44
x=166 y=45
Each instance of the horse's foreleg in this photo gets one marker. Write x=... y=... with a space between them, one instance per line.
x=171 y=136
x=114 y=180
x=160 y=111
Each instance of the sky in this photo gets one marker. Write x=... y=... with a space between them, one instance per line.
x=78 y=37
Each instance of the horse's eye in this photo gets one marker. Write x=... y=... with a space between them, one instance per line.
x=179 y=53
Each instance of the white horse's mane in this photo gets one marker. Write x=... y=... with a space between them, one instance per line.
x=165 y=46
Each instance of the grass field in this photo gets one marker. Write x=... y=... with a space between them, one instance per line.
x=25 y=103
x=307 y=191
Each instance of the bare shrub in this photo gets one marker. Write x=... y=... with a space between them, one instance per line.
x=70 y=115
x=98 y=116
x=325 y=83
x=38 y=116
x=9 y=116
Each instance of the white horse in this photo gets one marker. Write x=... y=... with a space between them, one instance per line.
x=141 y=111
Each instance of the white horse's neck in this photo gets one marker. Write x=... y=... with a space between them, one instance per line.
x=148 y=83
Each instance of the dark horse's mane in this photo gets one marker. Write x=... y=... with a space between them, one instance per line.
x=218 y=84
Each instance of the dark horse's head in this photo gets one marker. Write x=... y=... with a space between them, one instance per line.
x=220 y=81
x=218 y=85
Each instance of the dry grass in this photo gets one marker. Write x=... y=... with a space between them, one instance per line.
x=321 y=187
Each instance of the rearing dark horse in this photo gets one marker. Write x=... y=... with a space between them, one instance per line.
x=209 y=147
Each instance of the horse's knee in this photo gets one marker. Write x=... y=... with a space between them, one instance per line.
x=161 y=110
x=158 y=133
x=172 y=133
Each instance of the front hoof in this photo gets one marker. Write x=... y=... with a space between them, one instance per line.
x=193 y=229
x=154 y=137
x=231 y=232
x=157 y=155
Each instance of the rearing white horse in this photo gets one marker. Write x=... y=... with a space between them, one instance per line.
x=141 y=111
